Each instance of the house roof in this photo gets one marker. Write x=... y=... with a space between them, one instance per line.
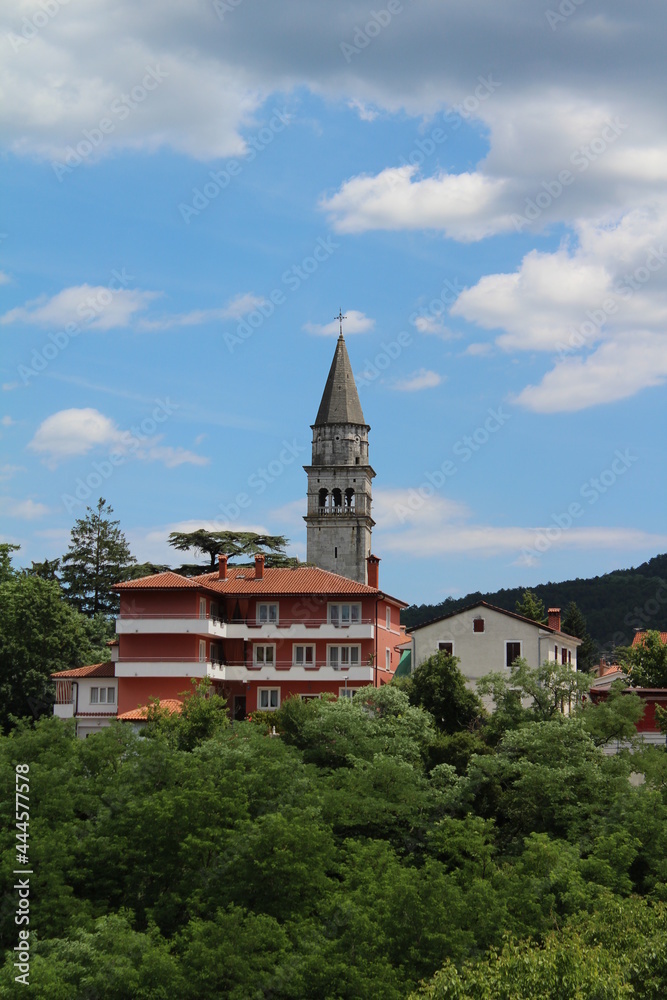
x=340 y=400
x=172 y=705
x=639 y=637
x=241 y=581
x=106 y=669
x=501 y=611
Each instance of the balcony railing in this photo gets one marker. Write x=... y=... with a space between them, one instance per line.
x=216 y=619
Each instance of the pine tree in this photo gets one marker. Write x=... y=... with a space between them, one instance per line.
x=574 y=623
x=98 y=556
x=530 y=606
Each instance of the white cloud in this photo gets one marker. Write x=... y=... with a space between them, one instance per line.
x=7 y=471
x=422 y=379
x=76 y=432
x=478 y=350
x=26 y=510
x=4 y=278
x=616 y=370
x=465 y=206
x=7 y=421
x=434 y=325
x=239 y=306
x=354 y=322
x=424 y=524
x=99 y=307
x=366 y=113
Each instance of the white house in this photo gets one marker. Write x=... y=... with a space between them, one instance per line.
x=89 y=695
x=486 y=639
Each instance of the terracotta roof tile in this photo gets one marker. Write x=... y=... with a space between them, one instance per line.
x=106 y=669
x=172 y=705
x=639 y=638
x=295 y=581
x=159 y=581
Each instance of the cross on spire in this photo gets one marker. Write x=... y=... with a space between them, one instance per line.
x=340 y=319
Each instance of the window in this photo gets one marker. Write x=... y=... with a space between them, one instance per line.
x=344 y=656
x=346 y=692
x=556 y=653
x=512 y=652
x=478 y=624
x=265 y=656
x=344 y=614
x=202 y=607
x=388 y=618
x=387 y=659
x=103 y=696
x=563 y=656
x=569 y=656
x=310 y=697
x=267 y=614
x=268 y=699
x=446 y=647
x=303 y=656
x=202 y=650
x=94 y=696
x=111 y=696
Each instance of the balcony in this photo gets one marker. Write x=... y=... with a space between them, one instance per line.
x=299 y=629
x=237 y=671
x=179 y=624
x=64 y=711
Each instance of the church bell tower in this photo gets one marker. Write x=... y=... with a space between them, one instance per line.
x=339 y=521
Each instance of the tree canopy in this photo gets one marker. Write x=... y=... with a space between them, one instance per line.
x=98 y=556
x=231 y=543
x=530 y=606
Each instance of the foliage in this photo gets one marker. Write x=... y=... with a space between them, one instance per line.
x=39 y=635
x=530 y=606
x=439 y=687
x=231 y=543
x=574 y=623
x=528 y=693
x=202 y=715
x=7 y=571
x=98 y=556
x=614 y=717
x=47 y=569
x=647 y=661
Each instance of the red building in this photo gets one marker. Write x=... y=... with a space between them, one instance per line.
x=260 y=634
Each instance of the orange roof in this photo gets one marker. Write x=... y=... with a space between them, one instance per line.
x=241 y=580
x=106 y=669
x=639 y=638
x=172 y=705
x=160 y=581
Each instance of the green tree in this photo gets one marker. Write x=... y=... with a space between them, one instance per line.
x=532 y=693
x=7 y=571
x=98 y=556
x=530 y=606
x=439 y=687
x=230 y=543
x=647 y=661
x=574 y=623
x=615 y=717
x=39 y=634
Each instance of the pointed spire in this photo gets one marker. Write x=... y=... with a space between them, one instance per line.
x=340 y=400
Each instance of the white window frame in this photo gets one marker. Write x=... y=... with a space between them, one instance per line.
x=449 y=642
x=342 y=614
x=347 y=692
x=304 y=662
x=202 y=607
x=267 y=613
x=513 y=642
x=202 y=650
x=268 y=691
x=94 y=696
x=263 y=661
x=103 y=696
x=348 y=648
x=388 y=619
x=310 y=697
x=111 y=696
x=387 y=658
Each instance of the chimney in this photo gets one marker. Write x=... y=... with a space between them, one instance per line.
x=222 y=567
x=553 y=618
x=374 y=571
x=259 y=566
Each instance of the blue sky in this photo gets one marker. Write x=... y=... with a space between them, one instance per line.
x=191 y=192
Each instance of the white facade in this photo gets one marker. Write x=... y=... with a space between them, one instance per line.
x=487 y=639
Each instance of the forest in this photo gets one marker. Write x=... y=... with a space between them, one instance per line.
x=405 y=843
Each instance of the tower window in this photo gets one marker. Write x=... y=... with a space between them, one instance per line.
x=335 y=552
x=322 y=497
x=349 y=498
x=356 y=461
x=337 y=497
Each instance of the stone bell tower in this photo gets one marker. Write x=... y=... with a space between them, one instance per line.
x=339 y=479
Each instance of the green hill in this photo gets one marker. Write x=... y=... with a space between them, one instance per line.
x=613 y=604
